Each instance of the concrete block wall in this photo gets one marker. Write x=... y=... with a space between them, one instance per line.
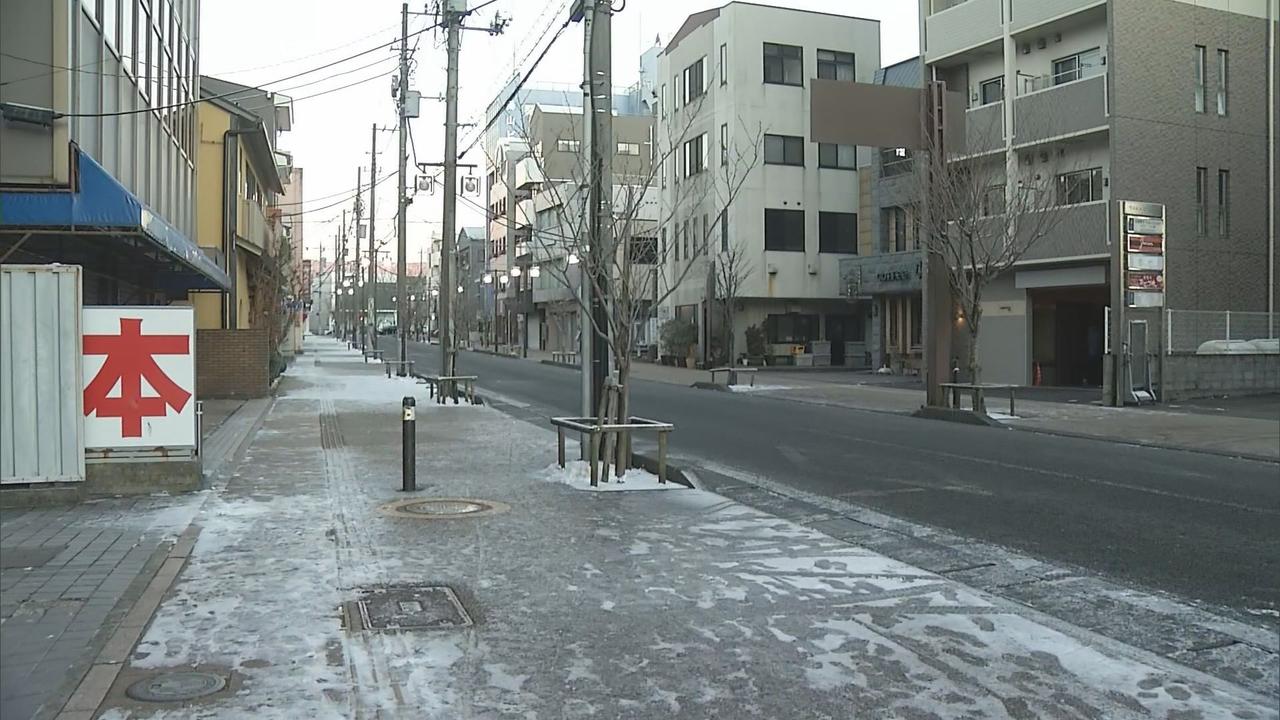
x=1188 y=376
x=232 y=363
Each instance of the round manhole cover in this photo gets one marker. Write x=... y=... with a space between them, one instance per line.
x=176 y=687
x=443 y=508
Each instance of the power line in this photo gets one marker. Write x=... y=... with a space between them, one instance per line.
x=236 y=92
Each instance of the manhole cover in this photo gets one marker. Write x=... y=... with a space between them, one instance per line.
x=407 y=607
x=176 y=687
x=443 y=508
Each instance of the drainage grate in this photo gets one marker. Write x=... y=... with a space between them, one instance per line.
x=443 y=508
x=176 y=687
x=330 y=433
x=406 y=607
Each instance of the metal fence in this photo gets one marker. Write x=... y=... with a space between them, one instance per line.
x=1187 y=330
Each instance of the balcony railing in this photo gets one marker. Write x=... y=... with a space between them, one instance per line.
x=252 y=228
x=961 y=25
x=984 y=128
x=1028 y=13
x=1078 y=230
x=1061 y=109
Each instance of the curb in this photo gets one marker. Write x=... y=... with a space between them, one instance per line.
x=96 y=682
x=967 y=417
x=703 y=385
x=649 y=464
x=554 y=363
x=1234 y=454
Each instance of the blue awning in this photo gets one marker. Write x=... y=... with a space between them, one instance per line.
x=98 y=202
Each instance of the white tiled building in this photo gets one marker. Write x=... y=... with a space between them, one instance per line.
x=728 y=76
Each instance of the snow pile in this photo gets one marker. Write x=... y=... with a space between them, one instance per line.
x=577 y=474
x=757 y=388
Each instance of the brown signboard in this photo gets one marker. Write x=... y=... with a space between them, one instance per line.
x=1144 y=280
x=1146 y=243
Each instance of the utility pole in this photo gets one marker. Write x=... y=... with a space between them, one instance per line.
x=337 y=285
x=598 y=88
x=402 y=300
x=345 y=318
x=372 y=282
x=359 y=303
x=452 y=21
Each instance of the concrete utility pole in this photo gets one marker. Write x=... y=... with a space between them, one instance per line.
x=372 y=282
x=359 y=303
x=597 y=87
x=453 y=14
x=336 y=274
x=402 y=300
x=343 y=260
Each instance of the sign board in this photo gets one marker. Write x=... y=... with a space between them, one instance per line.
x=1143 y=263
x=139 y=377
x=888 y=273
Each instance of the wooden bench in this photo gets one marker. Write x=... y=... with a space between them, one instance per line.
x=733 y=374
x=375 y=354
x=977 y=393
x=595 y=431
x=446 y=386
x=567 y=357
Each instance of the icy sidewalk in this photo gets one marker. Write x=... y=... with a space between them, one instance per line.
x=617 y=604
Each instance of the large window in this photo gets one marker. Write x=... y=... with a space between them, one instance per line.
x=1222 y=82
x=1200 y=78
x=695 y=80
x=839 y=157
x=1202 y=200
x=991 y=91
x=1074 y=67
x=838 y=232
x=644 y=250
x=628 y=148
x=1224 y=203
x=783 y=64
x=695 y=155
x=783 y=150
x=784 y=230
x=1081 y=186
x=792 y=328
x=569 y=145
x=834 y=65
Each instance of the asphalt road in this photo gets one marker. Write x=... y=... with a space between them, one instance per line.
x=1201 y=526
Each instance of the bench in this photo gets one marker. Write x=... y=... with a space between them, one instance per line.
x=407 y=365
x=375 y=354
x=595 y=431
x=568 y=357
x=977 y=392
x=445 y=386
x=733 y=374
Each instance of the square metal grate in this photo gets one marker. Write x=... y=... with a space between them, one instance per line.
x=406 y=607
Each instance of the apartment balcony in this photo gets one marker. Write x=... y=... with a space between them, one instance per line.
x=957 y=25
x=524 y=214
x=1078 y=231
x=1030 y=13
x=253 y=231
x=984 y=129
x=1068 y=108
x=528 y=174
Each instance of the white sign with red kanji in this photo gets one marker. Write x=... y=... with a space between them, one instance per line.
x=139 y=377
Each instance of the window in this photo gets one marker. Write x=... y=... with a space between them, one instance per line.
x=1224 y=203
x=894 y=162
x=893 y=229
x=127 y=52
x=662 y=101
x=684 y=240
x=783 y=150
x=783 y=64
x=675 y=92
x=993 y=200
x=724 y=144
x=838 y=232
x=1202 y=199
x=644 y=250
x=1074 y=67
x=791 y=328
x=991 y=91
x=724 y=230
x=695 y=81
x=568 y=145
x=1200 y=78
x=662 y=244
x=695 y=155
x=628 y=148
x=724 y=64
x=1222 y=83
x=109 y=25
x=834 y=65
x=675 y=242
x=917 y=321
x=784 y=230
x=1081 y=186
x=839 y=157
x=705 y=235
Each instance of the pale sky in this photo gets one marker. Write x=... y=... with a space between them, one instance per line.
x=262 y=41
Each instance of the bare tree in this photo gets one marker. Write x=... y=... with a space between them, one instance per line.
x=981 y=222
x=731 y=270
x=270 y=280
x=656 y=247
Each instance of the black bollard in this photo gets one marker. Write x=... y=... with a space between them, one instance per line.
x=409 y=482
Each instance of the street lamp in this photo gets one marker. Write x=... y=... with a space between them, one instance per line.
x=488 y=278
x=515 y=271
x=573 y=258
x=535 y=271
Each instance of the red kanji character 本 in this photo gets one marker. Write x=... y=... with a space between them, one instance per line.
x=130 y=358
